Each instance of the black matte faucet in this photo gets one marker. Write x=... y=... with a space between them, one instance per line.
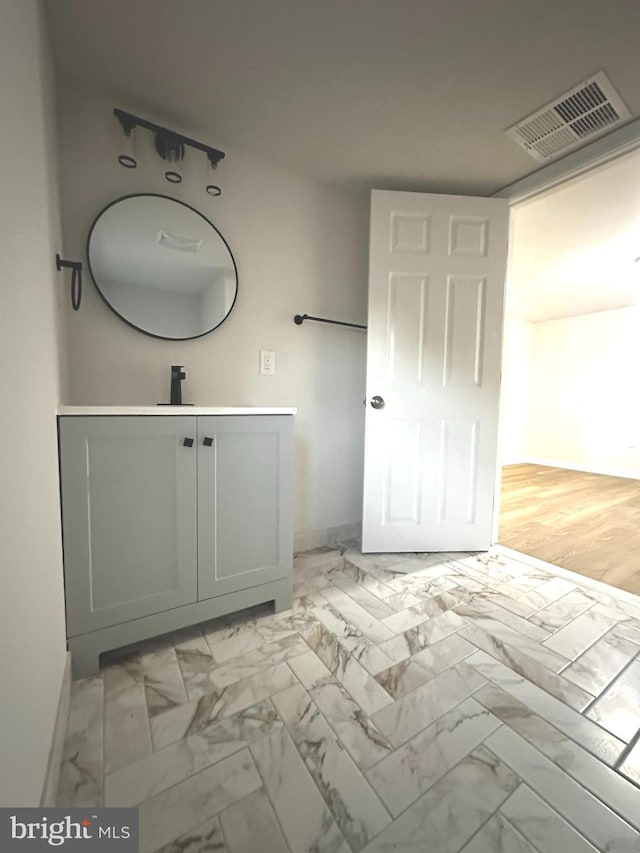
x=177 y=375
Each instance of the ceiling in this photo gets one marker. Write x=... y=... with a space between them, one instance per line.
x=393 y=94
x=573 y=250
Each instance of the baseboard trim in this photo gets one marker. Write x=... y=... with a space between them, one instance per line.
x=609 y=470
x=310 y=539
x=576 y=577
x=50 y=788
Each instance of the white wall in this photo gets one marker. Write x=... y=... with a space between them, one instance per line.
x=299 y=247
x=584 y=405
x=32 y=632
x=516 y=389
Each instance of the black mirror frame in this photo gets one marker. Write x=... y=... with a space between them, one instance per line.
x=110 y=306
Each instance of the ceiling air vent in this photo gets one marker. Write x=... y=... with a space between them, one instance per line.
x=584 y=112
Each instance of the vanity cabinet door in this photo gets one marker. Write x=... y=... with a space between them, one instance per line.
x=129 y=517
x=245 y=535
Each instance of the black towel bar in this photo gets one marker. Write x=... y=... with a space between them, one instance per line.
x=300 y=318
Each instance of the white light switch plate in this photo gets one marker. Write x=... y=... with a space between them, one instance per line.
x=267 y=362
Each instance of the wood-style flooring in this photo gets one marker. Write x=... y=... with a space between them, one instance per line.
x=589 y=523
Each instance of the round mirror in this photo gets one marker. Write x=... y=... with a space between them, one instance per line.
x=162 y=267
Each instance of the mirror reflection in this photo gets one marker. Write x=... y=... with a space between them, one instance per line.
x=162 y=266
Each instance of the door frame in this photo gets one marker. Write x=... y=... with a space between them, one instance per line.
x=606 y=149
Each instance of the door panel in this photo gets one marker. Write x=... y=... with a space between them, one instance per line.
x=436 y=288
x=244 y=502
x=129 y=515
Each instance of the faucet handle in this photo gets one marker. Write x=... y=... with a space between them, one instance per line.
x=177 y=370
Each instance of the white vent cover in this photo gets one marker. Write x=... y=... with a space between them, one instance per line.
x=584 y=112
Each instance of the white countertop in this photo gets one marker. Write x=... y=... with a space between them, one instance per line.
x=176 y=410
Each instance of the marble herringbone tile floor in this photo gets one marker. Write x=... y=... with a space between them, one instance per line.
x=475 y=704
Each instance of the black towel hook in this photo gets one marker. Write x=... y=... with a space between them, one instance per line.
x=76 y=279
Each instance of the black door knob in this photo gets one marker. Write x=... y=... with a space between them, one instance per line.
x=207 y=441
x=377 y=402
x=188 y=442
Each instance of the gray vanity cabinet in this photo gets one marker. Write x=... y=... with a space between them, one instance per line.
x=169 y=521
x=244 y=465
x=129 y=518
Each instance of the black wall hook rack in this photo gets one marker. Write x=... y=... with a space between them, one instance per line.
x=300 y=318
x=76 y=279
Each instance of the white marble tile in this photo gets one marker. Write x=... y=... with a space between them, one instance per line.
x=317 y=560
x=489 y=566
x=622 y=797
x=422 y=636
x=402 y=600
x=413 y=768
x=183 y=758
x=339 y=635
x=355 y=807
x=560 y=613
x=418 y=565
x=356 y=615
x=630 y=767
x=81 y=770
x=250 y=825
x=604 y=829
x=378 y=566
x=402 y=678
x=414 y=712
x=327 y=621
x=541 y=825
x=195 y=661
x=413 y=672
x=367 y=599
x=498 y=836
x=120 y=678
x=248 y=664
x=629 y=631
x=309 y=670
x=127 y=735
x=355 y=731
x=618 y=709
x=479 y=609
x=350 y=573
x=197 y=715
x=590 y=736
x=623 y=606
x=518 y=584
x=503 y=597
x=163 y=685
x=173 y=812
x=347 y=670
x=443 y=654
x=306 y=821
x=246 y=638
x=418 y=613
x=527 y=660
x=206 y=838
x=424 y=584
x=452 y=810
x=469 y=581
x=489 y=632
x=576 y=637
x=546 y=593
x=601 y=663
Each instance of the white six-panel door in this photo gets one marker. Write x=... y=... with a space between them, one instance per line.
x=436 y=291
